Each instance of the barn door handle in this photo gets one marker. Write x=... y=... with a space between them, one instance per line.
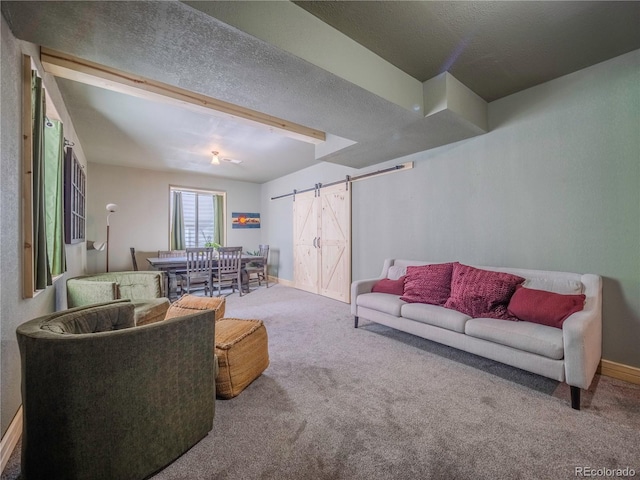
x=318 y=242
x=314 y=242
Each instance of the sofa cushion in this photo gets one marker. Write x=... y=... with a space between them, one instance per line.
x=556 y=285
x=530 y=337
x=382 y=302
x=435 y=315
x=481 y=293
x=428 y=283
x=386 y=285
x=396 y=272
x=545 y=308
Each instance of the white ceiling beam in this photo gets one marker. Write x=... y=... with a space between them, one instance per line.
x=77 y=69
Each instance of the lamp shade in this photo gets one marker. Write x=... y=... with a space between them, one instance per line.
x=99 y=246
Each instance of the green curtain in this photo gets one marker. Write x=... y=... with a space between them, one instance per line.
x=218 y=219
x=177 y=223
x=42 y=273
x=54 y=195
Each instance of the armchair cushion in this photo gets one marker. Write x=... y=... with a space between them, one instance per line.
x=91 y=320
x=136 y=285
x=86 y=292
x=112 y=285
x=144 y=289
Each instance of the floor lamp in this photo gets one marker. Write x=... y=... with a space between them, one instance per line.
x=111 y=208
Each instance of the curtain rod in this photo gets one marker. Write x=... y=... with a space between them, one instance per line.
x=349 y=179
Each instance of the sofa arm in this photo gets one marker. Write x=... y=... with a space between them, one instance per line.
x=87 y=292
x=582 y=337
x=358 y=288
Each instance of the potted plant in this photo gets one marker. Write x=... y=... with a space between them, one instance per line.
x=209 y=243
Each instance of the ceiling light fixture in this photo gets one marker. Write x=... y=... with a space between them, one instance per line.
x=215 y=160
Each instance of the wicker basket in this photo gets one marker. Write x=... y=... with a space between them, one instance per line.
x=243 y=354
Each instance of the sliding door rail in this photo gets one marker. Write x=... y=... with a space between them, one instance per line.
x=348 y=179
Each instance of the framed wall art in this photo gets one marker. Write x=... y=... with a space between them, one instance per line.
x=245 y=220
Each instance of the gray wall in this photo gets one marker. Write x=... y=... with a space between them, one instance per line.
x=555 y=185
x=142 y=220
x=14 y=310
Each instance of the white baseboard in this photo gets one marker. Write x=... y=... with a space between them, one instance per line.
x=281 y=281
x=10 y=439
x=619 y=371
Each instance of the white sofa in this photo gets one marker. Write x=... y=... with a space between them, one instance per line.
x=570 y=354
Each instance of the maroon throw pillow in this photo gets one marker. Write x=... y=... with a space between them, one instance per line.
x=481 y=293
x=545 y=308
x=386 y=285
x=428 y=284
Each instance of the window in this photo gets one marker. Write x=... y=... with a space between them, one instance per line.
x=197 y=218
x=74 y=198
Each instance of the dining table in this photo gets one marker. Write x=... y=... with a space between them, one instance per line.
x=171 y=265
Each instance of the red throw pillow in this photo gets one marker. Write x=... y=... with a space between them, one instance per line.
x=386 y=285
x=428 y=284
x=546 y=308
x=481 y=293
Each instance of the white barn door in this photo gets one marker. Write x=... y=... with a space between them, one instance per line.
x=305 y=231
x=322 y=241
x=335 y=242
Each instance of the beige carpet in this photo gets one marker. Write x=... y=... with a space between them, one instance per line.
x=372 y=403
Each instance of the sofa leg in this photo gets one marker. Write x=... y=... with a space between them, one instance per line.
x=575 y=397
x=355 y=322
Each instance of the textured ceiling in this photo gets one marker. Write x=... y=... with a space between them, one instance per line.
x=152 y=135
x=494 y=48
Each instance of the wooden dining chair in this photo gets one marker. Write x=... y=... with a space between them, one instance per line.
x=257 y=269
x=171 y=253
x=228 y=269
x=200 y=263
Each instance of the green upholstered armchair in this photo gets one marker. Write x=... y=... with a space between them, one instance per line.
x=144 y=289
x=105 y=399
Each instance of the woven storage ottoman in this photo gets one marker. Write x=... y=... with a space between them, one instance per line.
x=243 y=354
x=188 y=304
